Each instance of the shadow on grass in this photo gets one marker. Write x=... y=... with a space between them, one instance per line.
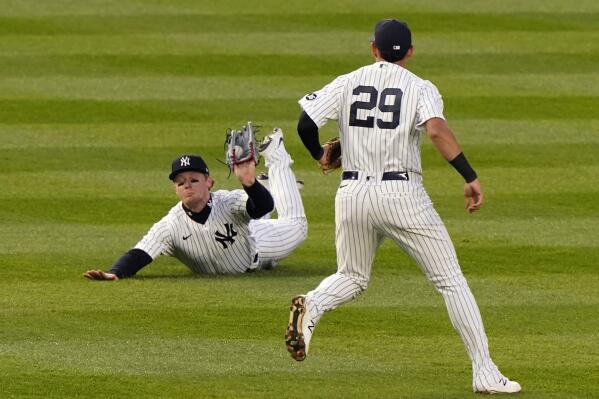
x=287 y=270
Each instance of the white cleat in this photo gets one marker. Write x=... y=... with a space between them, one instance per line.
x=300 y=328
x=503 y=386
x=271 y=142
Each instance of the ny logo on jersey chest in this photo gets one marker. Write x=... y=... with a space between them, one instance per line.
x=227 y=237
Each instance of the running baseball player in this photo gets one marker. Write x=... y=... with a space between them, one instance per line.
x=222 y=232
x=381 y=109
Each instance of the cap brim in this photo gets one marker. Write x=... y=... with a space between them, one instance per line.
x=176 y=172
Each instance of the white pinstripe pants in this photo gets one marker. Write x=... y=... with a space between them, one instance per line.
x=369 y=210
x=276 y=238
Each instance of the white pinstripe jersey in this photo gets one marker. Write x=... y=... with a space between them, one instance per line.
x=222 y=245
x=380 y=109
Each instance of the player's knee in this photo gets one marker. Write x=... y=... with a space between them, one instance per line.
x=303 y=228
x=300 y=232
x=449 y=282
x=360 y=282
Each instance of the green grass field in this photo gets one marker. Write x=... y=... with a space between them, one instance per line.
x=97 y=97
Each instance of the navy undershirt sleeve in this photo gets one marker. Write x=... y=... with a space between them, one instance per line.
x=260 y=202
x=130 y=263
x=308 y=132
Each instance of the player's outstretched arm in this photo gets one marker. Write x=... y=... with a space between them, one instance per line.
x=100 y=275
x=245 y=172
x=126 y=266
x=446 y=143
x=442 y=138
x=260 y=201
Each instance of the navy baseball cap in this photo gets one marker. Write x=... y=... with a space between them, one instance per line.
x=393 y=38
x=188 y=162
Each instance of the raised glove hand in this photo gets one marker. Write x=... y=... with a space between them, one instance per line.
x=241 y=146
x=246 y=173
x=331 y=157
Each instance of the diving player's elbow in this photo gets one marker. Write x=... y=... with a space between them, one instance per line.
x=265 y=208
x=270 y=206
x=304 y=234
x=302 y=229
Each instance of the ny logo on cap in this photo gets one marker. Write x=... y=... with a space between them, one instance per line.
x=184 y=161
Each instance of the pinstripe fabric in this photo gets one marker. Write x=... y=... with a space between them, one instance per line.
x=277 y=238
x=372 y=149
x=374 y=139
x=201 y=252
x=196 y=246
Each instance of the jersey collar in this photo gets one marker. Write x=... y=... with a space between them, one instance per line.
x=201 y=216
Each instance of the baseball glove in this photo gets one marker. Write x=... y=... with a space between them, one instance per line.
x=331 y=157
x=240 y=146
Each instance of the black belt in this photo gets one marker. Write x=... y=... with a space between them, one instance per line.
x=352 y=175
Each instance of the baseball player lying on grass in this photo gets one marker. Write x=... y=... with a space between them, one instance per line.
x=222 y=232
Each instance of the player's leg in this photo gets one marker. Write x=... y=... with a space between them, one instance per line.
x=421 y=233
x=277 y=238
x=282 y=182
x=356 y=243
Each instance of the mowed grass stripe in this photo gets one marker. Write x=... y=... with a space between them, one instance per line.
x=58 y=111
x=550 y=266
x=349 y=43
x=285 y=22
x=266 y=7
x=215 y=87
x=547 y=155
x=265 y=288
x=146 y=180
x=113 y=172
x=493 y=131
x=504 y=204
x=413 y=374
x=99 y=211
x=490 y=267
x=415 y=321
x=115 y=158
x=300 y=66
x=157 y=111
x=125 y=210
x=52 y=237
x=154 y=135
x=565 y=231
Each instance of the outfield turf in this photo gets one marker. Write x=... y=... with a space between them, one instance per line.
x=97 y=97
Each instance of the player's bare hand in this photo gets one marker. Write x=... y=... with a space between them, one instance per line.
x=473 y=194
x=246 y=172
x=100 y=275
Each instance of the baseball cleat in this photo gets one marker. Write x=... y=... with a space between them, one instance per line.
x=300 y=329
x=263 y=179
x=503 y=386
x=271 y=142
